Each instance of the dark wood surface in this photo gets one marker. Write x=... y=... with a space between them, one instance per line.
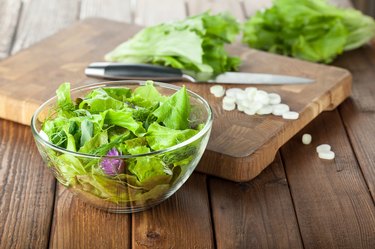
x=298 y=201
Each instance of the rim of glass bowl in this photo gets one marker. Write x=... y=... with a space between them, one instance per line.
x=205 y=129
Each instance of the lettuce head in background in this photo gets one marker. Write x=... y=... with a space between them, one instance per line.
x=195 y=44
x=310 y=30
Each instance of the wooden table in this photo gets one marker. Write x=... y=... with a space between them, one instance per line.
x=299 y=201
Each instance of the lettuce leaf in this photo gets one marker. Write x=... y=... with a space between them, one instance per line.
x=160 y=137
x=309 y=30
x=64 y=101
x=123 y=119
x=99 y=100
x=175 y=111
x=148 y=92
x=147 y=167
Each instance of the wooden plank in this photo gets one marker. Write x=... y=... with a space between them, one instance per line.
x=42 y=18
x=333 y=206
x=151 y=12
x=358 y=113
x=256 y=214
x=361 y=129
x=26 y=192
x=232 y=6
x=183 y=221
x=78 y=225
x=117 y=10
x=366 y=6
x=9 y=12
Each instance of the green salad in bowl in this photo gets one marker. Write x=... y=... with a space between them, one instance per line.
x=122 y=146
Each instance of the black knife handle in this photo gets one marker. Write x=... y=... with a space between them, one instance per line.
x=137 y=71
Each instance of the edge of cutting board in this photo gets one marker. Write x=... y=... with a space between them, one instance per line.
x=242 y=169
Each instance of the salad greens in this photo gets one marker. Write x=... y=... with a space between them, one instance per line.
x=308 y=29
x=114 y=121
x=195 y=44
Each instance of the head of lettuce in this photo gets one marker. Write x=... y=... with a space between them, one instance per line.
x=310 y=30
x=195 y=44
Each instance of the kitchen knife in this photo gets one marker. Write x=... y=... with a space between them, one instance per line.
x=114 y=70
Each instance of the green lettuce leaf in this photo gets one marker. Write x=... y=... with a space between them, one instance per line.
x=160 y=137
x=87 y=131
x=123 y=119
x=118 y=93
x=150 y=93
x=98 y=140
x=99 y=100
x=64 y=101
x=147 y=167
x=175 y=111
x=68 y=167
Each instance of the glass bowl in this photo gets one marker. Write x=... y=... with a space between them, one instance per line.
x=124 y=193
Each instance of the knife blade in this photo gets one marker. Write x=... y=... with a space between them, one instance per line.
x=114 y=70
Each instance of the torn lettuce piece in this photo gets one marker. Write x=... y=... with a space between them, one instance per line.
x=64 y=101
x=160 y=137
x=68 y=167
x=148 y=92
x=95 y=142
x=147 y=167
x=99 y=100
x=123 y=119
x=175 y=111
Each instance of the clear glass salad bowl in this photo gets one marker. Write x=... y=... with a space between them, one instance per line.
x=124 y=192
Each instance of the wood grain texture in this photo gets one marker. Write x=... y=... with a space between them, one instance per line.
x=26 y=190
x=358 y=113
x=333 y=206
x=183 y=221
x=361 y=130
x=117 y=10
x=255 y=214
x=245 y=144
x=366 y=6
x=150 y=12
x=232 y=6
x=78 y=225
x=33 y=28
x=9 y=12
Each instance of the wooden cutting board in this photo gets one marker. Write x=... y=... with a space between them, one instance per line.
x=240 y=146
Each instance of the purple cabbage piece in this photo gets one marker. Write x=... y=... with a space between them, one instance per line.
x=113 y=166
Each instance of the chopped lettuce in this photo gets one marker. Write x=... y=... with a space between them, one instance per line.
x=110 y=122
x=195 y=44
x=161 y=137
x=172 y=117
x=309 y=30
x=64 y=101
x=99 y=100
